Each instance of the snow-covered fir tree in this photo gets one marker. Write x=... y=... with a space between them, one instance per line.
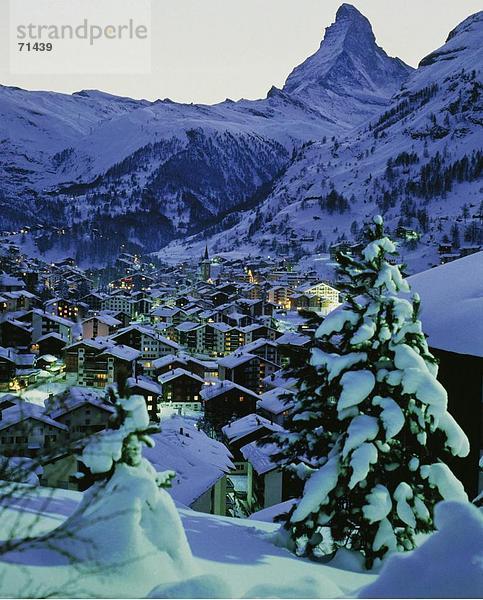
x=127 y=525
x=370 y=428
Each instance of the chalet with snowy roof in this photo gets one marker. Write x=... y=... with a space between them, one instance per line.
x=7 y=401
x=51 y=343
x=150 y=391
x=189 y=335
x=248 y=370
x=225 y=401
x=257 y=331
x=279 y=295
x=269 y=484
x=451 y=308
x=67 y=309
x=275 y=404
x=26 y=431
x=141 y=307
x=117 y=302
x=18 y=301
x=94 y=300
x=81 y=411
x=263 y=348
x=247 y=429
x=280 y=379
x=43 y=323
x=101 y=325
x=7 y=368
x=16 y=334
x=221 y=339
x=8 y=283
x=150 y=344
x=120 y=315
x=319 y=296
x=17 y=370
x=220 y=297
x=292 y=347
x=166 y=314
x=180 y=389
x=169 y=363
x=97 y=363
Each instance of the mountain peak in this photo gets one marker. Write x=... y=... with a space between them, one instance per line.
x=348 y=63
x=347 y=11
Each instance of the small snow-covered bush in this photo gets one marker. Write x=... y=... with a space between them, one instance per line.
x=449 y=564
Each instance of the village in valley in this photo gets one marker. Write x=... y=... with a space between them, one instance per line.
x=241 y=340
x=207 y=344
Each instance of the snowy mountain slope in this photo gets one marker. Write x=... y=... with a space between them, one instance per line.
x=35 y=126
x=75 y=159
x=418 y=162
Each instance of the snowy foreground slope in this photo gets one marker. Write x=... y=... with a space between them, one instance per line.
x=418 y=162
x=235 y=558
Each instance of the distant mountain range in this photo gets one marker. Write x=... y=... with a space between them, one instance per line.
x=352 y=132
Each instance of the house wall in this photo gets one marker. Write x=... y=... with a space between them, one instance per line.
x=84 y=420
x=27 y=437
x=203 y=503
x=273 y=488
x=462 y=377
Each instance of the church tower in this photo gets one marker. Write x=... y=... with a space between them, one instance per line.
x=205 y=266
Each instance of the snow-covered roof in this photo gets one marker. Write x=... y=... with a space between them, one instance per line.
x=175 y=373
x=223 y=327
x=164 y=311
x=292 y=339
x=75 y=397
x=275 y=401
x=98 y=343
x=235 y=360
x=246 y=425
x=269 y=514
x=198 y=460
x=24 y=411
x=452 y=304
x=144 y=384
x=52 y=334
x=260 y=456
x=280 y=379
x=212 y=391
x=105 y=319
x=188 y=326
x=256 y=344
x=123 y=352
x=49 y=358
x=159 y=363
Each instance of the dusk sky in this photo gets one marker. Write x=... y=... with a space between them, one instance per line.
x=207 y=50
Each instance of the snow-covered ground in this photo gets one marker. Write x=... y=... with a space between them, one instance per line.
x=238 y=552
x=236 y=558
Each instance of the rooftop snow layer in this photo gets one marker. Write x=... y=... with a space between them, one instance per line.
x=452 y=304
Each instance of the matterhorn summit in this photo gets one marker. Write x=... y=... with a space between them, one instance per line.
x=348 y=64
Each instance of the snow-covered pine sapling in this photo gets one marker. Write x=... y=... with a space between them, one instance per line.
x=122 y=443
x=378 y=417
